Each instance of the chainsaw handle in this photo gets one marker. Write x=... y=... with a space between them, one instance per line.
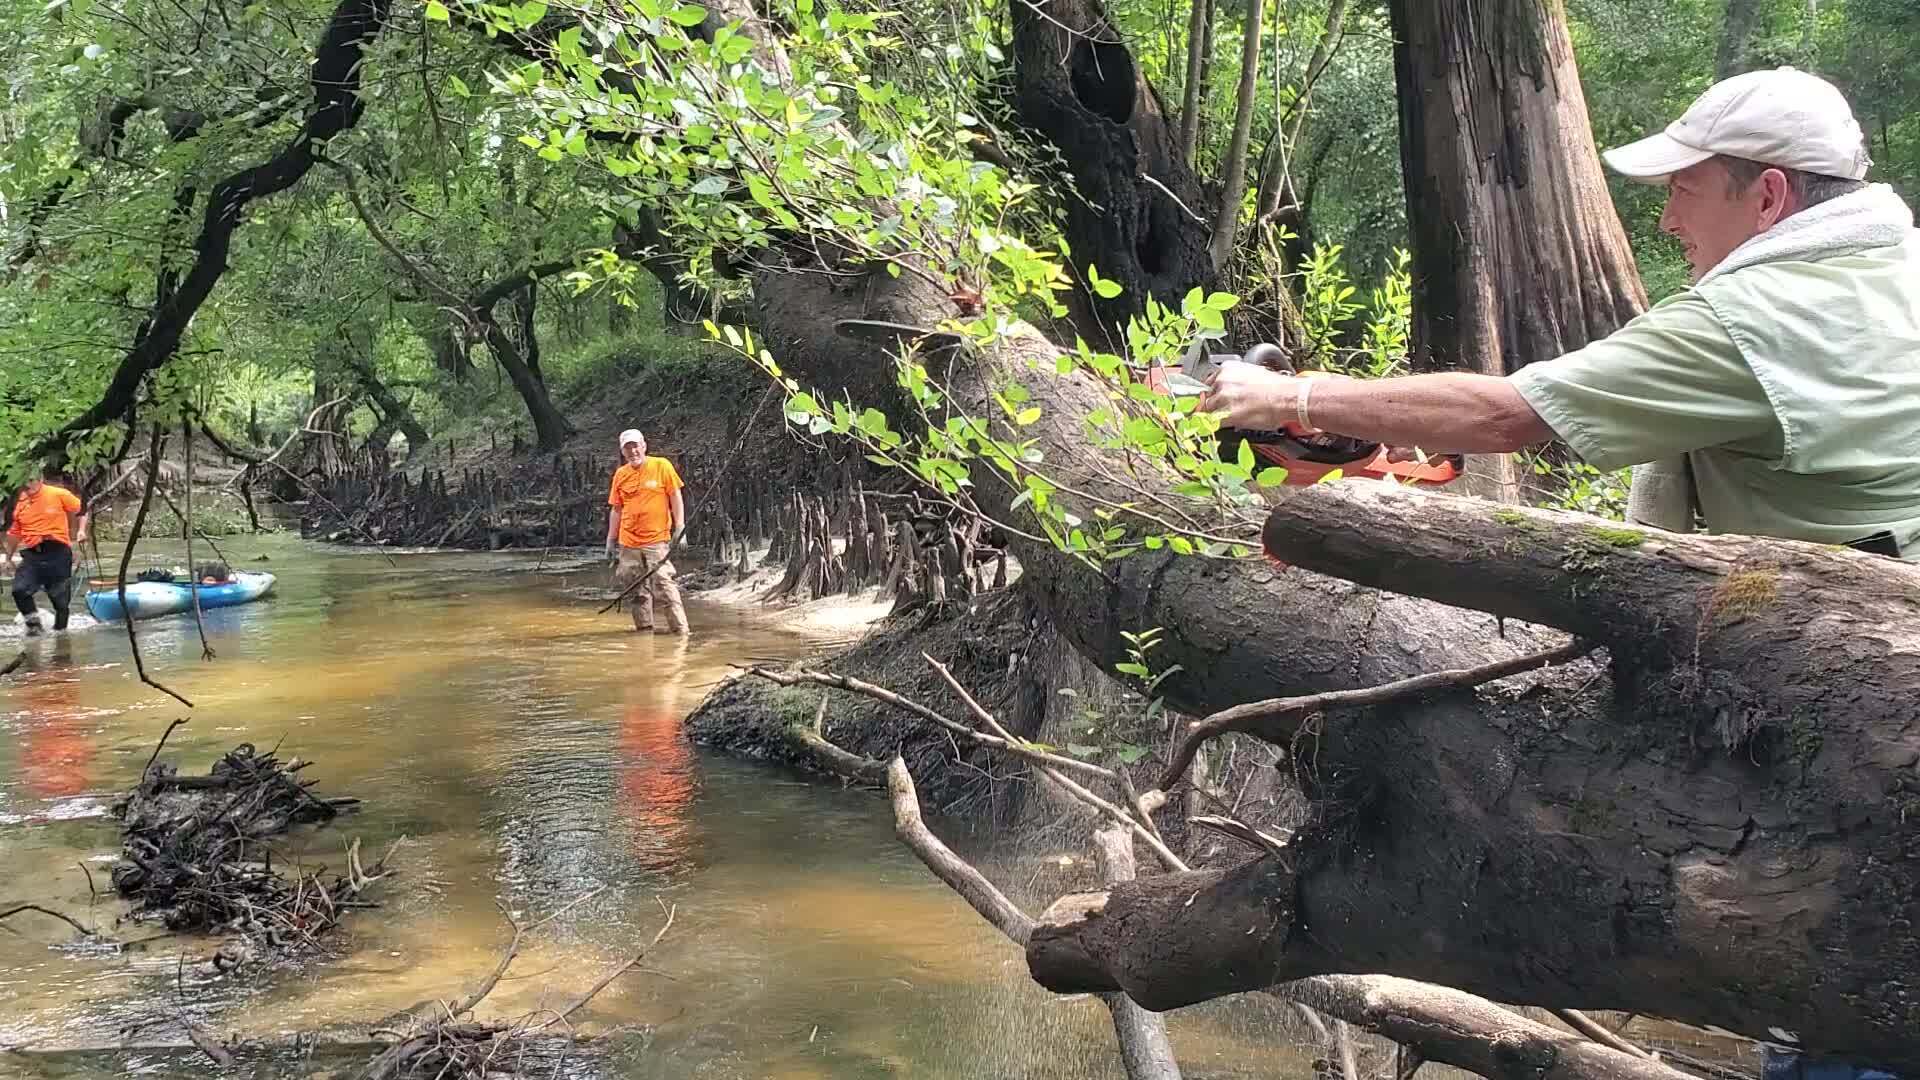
x=1269 y=356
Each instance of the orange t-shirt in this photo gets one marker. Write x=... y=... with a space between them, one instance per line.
x=644 y=496
x=35 y=518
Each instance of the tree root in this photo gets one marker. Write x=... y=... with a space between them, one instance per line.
x=1438 y=1023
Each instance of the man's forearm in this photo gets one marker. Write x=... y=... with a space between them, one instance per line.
x=13 y=544
x=613 y=526
x=1447 y=412
x=679 y=507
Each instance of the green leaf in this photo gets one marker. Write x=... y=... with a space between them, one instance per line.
x=873 y=421
x=689 y=15
x=1180 y=544
x=437 y=11
x=459 y=86
x=1132 y=669
x=802 y=403
x=1271 y=477
x=1128 y=753
x=1332 y=475
x=1082 y=749
x=711 y=185
x=1027 y=415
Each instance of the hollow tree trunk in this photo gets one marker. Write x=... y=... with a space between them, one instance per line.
x=1077 y=84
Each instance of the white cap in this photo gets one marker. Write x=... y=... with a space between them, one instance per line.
x=631 y=435
x=1785 y=117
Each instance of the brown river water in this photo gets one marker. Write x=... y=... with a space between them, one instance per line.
x=532 y=753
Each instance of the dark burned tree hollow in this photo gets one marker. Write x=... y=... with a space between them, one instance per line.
x=1517 y=253
x=1137 y=203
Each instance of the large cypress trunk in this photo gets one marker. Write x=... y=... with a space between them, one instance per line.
x=1517 y=253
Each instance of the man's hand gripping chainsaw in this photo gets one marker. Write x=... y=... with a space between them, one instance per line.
x=1306 y=455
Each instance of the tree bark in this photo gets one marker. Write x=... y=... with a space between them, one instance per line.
x=1517 y=253
x=1078 y=85
x=1735 y=31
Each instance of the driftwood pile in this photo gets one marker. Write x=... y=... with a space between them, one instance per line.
x=195 y=853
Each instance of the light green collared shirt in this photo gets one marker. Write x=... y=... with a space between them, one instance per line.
x=1792 y=387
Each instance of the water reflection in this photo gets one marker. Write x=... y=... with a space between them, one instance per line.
x=534 y=753
x=658 y=774
x=57 y=745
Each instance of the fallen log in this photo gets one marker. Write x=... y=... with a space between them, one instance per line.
x=1586 y=838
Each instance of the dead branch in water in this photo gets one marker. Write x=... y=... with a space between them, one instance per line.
x=1448 y=1026
x=12 y=911
x=195 y=853
x=126 y=560
x=444 y=1046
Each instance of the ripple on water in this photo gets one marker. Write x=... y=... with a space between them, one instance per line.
x=533 y=753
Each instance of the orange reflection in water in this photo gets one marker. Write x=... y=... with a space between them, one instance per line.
x=56 y=746
x=658 y=777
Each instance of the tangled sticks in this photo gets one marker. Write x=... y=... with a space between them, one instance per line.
x=195 y=852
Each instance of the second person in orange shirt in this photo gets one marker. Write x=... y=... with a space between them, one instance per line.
x=647 y=516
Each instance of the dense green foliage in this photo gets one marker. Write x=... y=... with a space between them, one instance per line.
x=502 y=137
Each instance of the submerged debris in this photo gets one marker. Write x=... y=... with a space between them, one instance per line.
x=195 y=853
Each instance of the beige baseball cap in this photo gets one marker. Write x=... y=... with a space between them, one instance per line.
x=1784 y=117
x=631 y=435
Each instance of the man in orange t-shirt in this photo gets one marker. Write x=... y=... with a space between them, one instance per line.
x=646 y=518
x=40 y=533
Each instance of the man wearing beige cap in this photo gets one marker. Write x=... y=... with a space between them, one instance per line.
x=1779 y=396
x=647 y=516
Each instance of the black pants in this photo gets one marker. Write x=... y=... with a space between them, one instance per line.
x=46 y=567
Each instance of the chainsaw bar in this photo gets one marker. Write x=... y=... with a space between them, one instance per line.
x=899 y=334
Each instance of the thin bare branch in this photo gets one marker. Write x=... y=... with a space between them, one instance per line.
x=960 y=876
x=1598 y=1032
x=126 y=560
x=616 y=972
x=186 y=526
x=1277 y=719
x=1150 y=838
x=12 y=911
x=1226 y=223
x=882 y=694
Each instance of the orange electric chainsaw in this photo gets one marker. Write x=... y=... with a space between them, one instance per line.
x=1307 y=456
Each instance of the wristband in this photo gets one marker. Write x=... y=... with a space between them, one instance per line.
x=1300 y=403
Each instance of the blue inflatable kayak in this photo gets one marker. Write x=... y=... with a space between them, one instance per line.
x=150 y=599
